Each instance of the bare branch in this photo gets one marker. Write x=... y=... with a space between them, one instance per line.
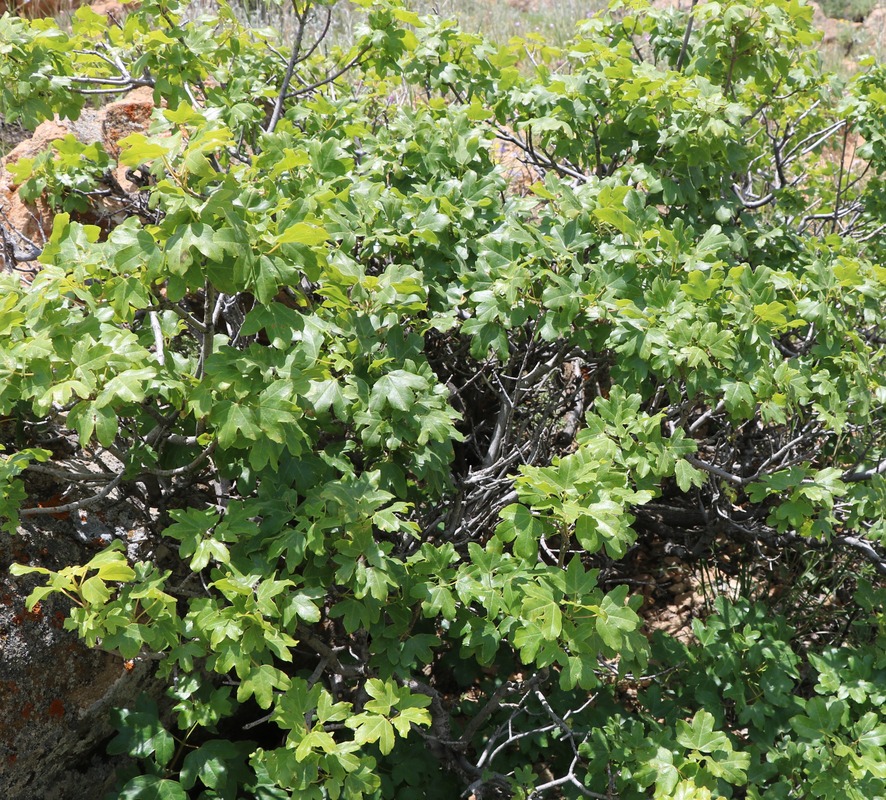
x=302 y=18
x=75 y=506
x=158 y=337
x=686 y=36
x=855 y=475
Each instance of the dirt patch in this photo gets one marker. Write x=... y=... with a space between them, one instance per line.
x=515 y=168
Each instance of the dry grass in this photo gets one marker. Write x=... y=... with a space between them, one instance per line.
x=498 y=19
x=502 y=19
x=844 y=45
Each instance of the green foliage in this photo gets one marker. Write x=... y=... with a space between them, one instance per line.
x=64 y=174
x=855 y=10
x=12 y=489
x=407 y=422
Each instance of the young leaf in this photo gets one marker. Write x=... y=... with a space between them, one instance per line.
x=699 y=734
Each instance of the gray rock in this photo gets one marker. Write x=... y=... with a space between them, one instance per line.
x=55 y=693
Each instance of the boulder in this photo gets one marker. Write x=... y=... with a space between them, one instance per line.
x=27 y=225
x=55 y=693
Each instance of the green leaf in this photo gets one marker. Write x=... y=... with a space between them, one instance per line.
x=618 y=219
x=869 y=731
x=731 y=766
x=87 y=418
x=260 y=682
x=739 y=399
x=372 y=728
x=326 y=393
x=234 y=422
x=141 y=734
x=303 y=233
x=409 y=17
x=823 y=716
x=384 y=696
x=542 y=611
x=699 y=734
x=688 y=476
x=528 y=640
x=315 y=740
x=396 y=389
x=522 y=527
x=94 y=591
x=150 y=787
x=579 y=583
x=206 y=550
x=408 y=717
x=578 y=671
x=615 y=620
x=304 y=609
x=211 y=764
x=327 y=711
x=772 y=313
x=660 y=769
x=689 y=790
x=117 y=570
x=136 y=149
x=436 y=600
x=22 y=569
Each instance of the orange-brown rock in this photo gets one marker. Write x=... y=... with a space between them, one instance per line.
x=111 y=8
x=29 y=224
x=132 y=114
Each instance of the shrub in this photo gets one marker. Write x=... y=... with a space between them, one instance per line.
x=400 y=426
x=855 y=10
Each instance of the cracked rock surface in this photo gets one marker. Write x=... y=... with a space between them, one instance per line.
x=55 y=693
